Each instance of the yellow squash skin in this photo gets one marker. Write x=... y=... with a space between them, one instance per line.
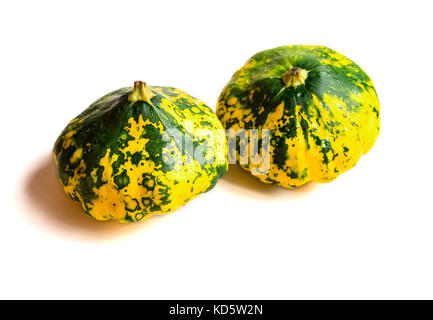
x=124 y=158
x=320 y=107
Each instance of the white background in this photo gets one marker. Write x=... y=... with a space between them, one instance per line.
x=368 y=234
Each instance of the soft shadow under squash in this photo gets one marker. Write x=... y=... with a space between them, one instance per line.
x=65 y=216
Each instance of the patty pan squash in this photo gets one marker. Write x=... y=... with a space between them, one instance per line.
x=126 y=157
x=321 y=110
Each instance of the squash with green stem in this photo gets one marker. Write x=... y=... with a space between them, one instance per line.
x=321 y=110
x=126 y=157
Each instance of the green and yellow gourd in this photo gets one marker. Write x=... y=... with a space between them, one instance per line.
x=321 y=110
x=126 y=156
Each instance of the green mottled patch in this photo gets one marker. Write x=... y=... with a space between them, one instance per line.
x=122 y=180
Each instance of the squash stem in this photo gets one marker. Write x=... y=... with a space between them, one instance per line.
x=294 y=77
x=141 y=93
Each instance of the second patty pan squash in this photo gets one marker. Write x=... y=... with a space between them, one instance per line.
x=140 y=151
x=321 y=110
